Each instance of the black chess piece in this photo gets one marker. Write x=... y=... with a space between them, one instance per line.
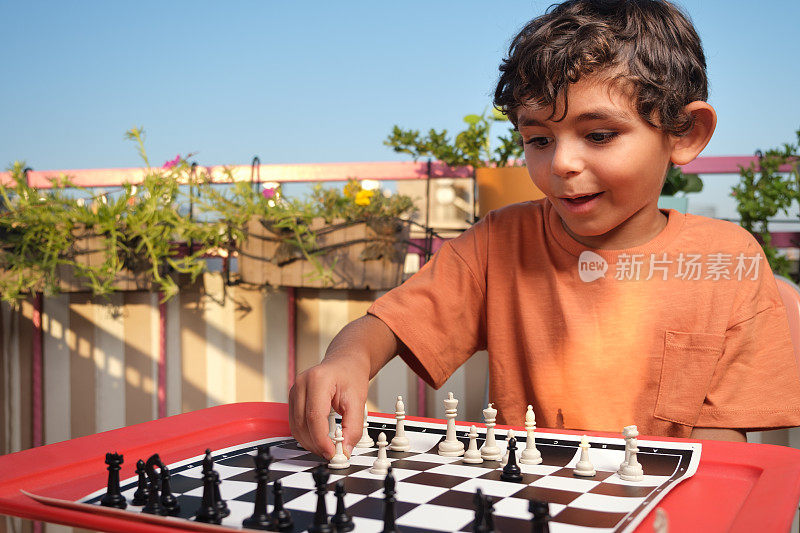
x=341 y=520
x=207 y=513
x=153 y=505
x=168 y=500
x=541 y=516
x=389 y=514
x=113 y=496
x=489 y=515
x=321 y=524
x=281 y=518
x=142 y=490
x=222 y=506
x=512 y=472
x=260 y=518
x=480 y=503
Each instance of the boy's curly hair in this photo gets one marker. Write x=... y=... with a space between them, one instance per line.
x=650 y=44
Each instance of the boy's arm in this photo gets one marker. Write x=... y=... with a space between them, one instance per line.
x=733 y=435
x=341 y=380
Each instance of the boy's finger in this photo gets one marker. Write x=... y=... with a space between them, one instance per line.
x=317 y=409
x=352 y=423
x=297 y=422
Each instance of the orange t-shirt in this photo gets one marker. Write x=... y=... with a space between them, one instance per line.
x=687 y=330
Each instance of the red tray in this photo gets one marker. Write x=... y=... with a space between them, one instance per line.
x=738 y=487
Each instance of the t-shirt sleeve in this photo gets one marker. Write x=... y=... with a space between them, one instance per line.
x=440 y=312
x=756 y=384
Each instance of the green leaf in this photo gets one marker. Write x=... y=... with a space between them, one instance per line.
x=472 y=119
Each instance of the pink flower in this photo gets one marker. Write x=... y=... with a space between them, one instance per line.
x=173 y=162
x=269 y=193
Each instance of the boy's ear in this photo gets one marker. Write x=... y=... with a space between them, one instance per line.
x=685 y=149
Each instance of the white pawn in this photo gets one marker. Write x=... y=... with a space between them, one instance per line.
x=332 y=424
x=473 y=455
x=661 y=523
x=400 y=442
x=381 y=464
x=490 y=451
x=366 y=441
x=530 y=455
x=509 y=436
x=339 y=459
x=584 y=468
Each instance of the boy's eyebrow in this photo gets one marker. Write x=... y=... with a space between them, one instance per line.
x=598 y=114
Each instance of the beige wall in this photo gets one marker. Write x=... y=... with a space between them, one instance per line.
x=224 y=345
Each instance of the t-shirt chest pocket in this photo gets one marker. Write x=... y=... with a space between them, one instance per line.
x=687 y=367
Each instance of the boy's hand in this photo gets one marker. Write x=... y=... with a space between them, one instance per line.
x=338 y=382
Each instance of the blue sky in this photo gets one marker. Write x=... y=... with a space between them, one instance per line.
x=301 y=82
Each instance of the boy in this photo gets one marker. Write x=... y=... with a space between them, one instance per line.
x=596 y=307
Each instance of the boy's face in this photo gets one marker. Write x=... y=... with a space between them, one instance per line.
x=602 y=148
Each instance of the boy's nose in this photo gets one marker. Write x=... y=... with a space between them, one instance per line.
x=567 y=161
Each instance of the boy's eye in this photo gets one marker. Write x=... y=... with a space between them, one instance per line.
x=538 y=142
x=600 y=137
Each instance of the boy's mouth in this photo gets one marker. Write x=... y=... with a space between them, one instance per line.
x=582 y=199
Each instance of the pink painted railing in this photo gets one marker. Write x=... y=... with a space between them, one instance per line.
x=404 y=170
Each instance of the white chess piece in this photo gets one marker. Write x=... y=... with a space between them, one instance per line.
x=451 y=446
x=366 y=441
x=400 y=442
x=630 y=469
x=473 y=455
x=339 y=459
x=510 y=435
x=381 y=464
x=530 y=455
x=490 y=451
x=661 y=522
x=332 y=424
x=584 y=468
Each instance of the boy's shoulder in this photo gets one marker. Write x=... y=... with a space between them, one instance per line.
x=724 y=233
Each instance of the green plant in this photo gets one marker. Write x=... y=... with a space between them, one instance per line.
x=472 y=146
x=677 y=182
x=35 y=231
x=764 y=191
x=137 y=229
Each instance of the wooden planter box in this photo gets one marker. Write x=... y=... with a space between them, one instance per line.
x=362 y=255
x=89 y=249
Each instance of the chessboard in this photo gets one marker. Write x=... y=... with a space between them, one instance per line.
x=436 y=493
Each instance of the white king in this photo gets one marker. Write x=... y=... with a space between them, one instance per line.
x=451 y=446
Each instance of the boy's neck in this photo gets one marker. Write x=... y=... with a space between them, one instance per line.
x=642 y=227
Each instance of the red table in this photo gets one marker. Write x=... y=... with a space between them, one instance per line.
x=738 y=487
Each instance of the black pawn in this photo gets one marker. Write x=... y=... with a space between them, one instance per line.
x=142 y=490
x=281 y=518
x=113 y=496
x=480 y=503
x=341 y=520
x=321 y=524
x=153 y=505
x=541 y=516
x=512 y=472
x=260 y=519
x=489 y=515
x=388 y=503
x=168 y=500
x=207 y=513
